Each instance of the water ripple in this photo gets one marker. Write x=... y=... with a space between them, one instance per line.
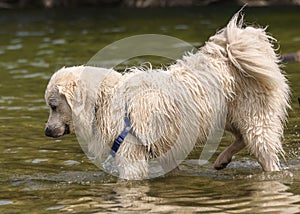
x=71 y=162
x=55 y=208
x=9 y=65
x=45 y=52
x=33 y=75
x=14 y=47
x=58 y=41
x=20 y=71
x=40 y=64
x=181 y=27
x=5 y=202
x=37 y=160
x=24 y=108
x=17 y=40
x=114 y=30
x=30 y=33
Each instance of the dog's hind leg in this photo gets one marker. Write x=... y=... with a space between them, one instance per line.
x=262 y=134
x=266 y=149
x=225 y=157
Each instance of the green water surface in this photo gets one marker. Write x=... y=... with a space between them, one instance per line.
x=43 y=175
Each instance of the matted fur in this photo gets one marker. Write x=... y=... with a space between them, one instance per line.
x=235 y=72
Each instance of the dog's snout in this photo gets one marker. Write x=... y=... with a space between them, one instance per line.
x=57 y=131
x=48 y=132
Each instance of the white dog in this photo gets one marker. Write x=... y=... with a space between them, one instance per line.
x=235 y=73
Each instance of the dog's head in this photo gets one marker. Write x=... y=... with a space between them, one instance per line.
x=76 y=91
x=58 y=96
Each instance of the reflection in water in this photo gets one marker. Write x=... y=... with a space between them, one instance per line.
x=187 y=195
x=260 y=197
x=273 y=196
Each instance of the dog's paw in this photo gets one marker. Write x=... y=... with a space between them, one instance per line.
x=221 y=163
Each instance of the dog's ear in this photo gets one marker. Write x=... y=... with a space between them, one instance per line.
x=68 y=91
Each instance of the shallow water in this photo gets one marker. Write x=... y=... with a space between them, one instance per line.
x=42 y=175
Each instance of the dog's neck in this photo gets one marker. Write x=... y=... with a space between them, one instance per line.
x=103 y=104
x=107 y=87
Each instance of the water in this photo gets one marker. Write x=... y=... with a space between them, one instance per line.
x=43 y=175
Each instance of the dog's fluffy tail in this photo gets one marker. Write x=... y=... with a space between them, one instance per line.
x=251 y=50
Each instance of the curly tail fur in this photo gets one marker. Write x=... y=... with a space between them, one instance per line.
x=251 y=51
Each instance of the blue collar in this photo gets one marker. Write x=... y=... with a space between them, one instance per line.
x=119 y=140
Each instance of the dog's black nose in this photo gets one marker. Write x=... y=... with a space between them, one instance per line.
x=48 y=132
